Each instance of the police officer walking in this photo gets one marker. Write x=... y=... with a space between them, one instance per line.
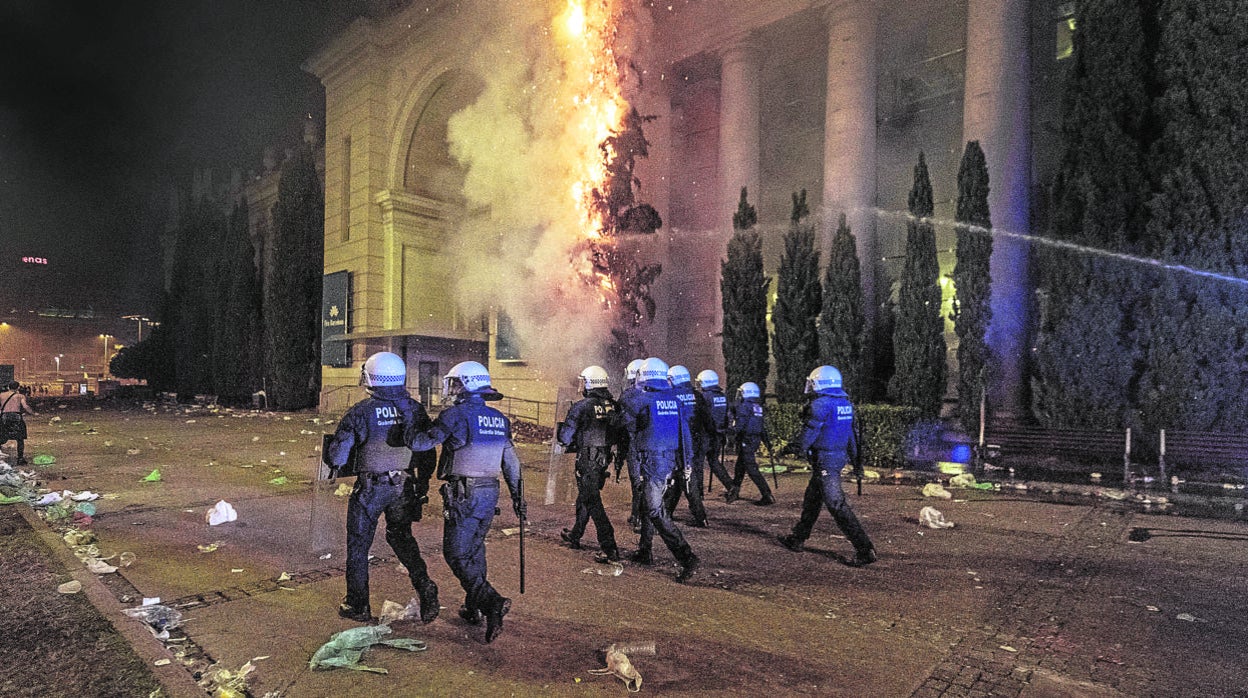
x=750 y=429
x=476 y=447
x=658 y=430
x=828 y=440
x=710 y=427
x=688 y=474
x=625 y=454
x=390 y=480
x=589 y=430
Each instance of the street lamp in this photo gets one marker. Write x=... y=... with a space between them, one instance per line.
x=140 y=320
x=57 y=359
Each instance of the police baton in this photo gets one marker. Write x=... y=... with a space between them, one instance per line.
x=523 y=511
x=857 y=426
x=771 y=453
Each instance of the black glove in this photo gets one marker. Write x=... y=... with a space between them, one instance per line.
x=518 y=506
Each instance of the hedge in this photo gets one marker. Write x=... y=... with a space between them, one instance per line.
x=888 y=431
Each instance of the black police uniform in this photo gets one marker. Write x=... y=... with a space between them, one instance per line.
x=589 y=430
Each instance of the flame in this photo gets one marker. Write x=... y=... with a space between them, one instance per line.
x=597 y=112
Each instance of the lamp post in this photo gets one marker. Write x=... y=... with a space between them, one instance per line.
x=25 y=375
x=57 y=359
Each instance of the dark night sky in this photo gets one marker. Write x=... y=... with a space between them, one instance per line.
x=103 y=103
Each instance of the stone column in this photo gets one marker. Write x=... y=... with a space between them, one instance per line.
x=997 y=114
x=849 y=133
x=738 y=126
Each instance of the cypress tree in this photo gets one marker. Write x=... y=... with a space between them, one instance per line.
x=292 y=304
x=919 y=337
x=743 y=289
x=972 y=312
x=236 y=348
x=799 y=299
x=1087 y=343
x=842 y=323
x=192 y=296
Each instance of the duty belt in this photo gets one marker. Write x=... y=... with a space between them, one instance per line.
x=458 y=486
x=394 y=477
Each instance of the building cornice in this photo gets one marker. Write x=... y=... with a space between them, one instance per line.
x=392 y=200
x=358 y=43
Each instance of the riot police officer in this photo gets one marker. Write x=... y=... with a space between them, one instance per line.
x=390 y=480
x=750 y=429
x=476 y=447
x=710 y=427
x=658 y=430
x=828 y=440
x=589 y=430
x=624 y=455
x=688 y=474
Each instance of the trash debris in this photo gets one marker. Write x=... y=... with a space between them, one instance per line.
x=619 y=665
x=1007 y=648
x=153 y=476
x=615 y=569
x=934 y=489
x=76 y=538
x=392 y=611
x=70 y=587
x=108 y=443
x=126 y=559
x=43 y=459
x=326 y=556
x=15 y=499
x=236 y=570
x=221 y=512
x=210 y=548
x=223 y=683
x=285 y=577
x=190 y=421
x=967 y=481
x=162 y=662
x=255 y=439
x=932 y=518
x=133 y=451
x=85 y=508
x=98 y=566
x=159 y=619
x=280 y=480
x=84 y=496
x=343 y=490
x=1190 y=618
x=344 y=649
x=1154 y=609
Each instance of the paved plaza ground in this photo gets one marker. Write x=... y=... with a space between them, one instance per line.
x=1024 y=596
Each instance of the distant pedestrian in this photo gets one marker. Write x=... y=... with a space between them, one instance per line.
x=828 y=441
x=13 y=407
x=476 y=448
x=390 y=480
x=590 y=431
x=750 y=429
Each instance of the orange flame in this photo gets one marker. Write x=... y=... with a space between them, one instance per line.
x=586 y=31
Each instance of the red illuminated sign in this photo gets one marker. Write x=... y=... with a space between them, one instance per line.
x=35 y=260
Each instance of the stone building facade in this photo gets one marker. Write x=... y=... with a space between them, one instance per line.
x=837 y=97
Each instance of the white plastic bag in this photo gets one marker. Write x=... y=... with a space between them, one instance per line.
x=220 y=513
x=930 y=517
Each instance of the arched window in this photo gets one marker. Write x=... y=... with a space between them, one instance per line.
x=430 y=169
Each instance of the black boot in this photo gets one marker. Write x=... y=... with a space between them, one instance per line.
x=573 y=543
x=471 y=615
x=359 y=615
x=864 y=557
x=642 y=557
x=428 y=592
x=767 y=500
x=732 y=495
x=688 y=568
x=791 y=543
x=608 y=556
x=494 y=619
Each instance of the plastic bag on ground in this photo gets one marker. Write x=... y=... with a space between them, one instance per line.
x=967 y=481
x=392 y=611
x=343 y=650
x=159 y=619
x=932 y=518
x=43 y=459
x=153 y=476
x=933 y=489
x=619 y=665
x=221 y=512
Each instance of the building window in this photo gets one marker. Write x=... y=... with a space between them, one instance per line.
x=346 y=189
x=506 y=348
x=1065 y=47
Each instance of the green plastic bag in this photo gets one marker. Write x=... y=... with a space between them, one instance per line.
x=153 y=476
x=43 y=459
x=344 y=649
x=12 y=500
x=278 y=480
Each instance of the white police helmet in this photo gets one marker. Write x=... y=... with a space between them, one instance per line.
x=630 y=373
x=747 y=390
x=653 y=373
x=825 y=380
x=678 y=375
x=383 y=369
x=465 y=377
x=707 y=379
x=593 y=377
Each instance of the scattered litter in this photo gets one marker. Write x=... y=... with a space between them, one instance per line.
x=223 y=683
x=619 y=665
x=162 y=662
x=1190 y=618
x=54 y=420
x=108 y=443
x=967 y=481
x=159 y=619
x=343 y=490
x=392 y=611
x=43 y=459
x=126 y=559
x=153 y=476
x=1007 y=648
x=210 y=548
x=344 y=649
x=933 y=489
x=70 y=587
x=1112 y=494
x=932 y=518
x=615 y=569
x=255 y=439
x=85 y=508
x=221 y=512
x=85 y=496
x=12 y=500
x=285 y=577
x=190 y=421
x=236 y=570
x=133 y=451
x=511 y=531
x=98 y=566
x=279 y=480
x=326 y=556
x=1154 y=609
x=49 y=498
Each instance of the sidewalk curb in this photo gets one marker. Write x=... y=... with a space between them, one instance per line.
x=173 y=677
